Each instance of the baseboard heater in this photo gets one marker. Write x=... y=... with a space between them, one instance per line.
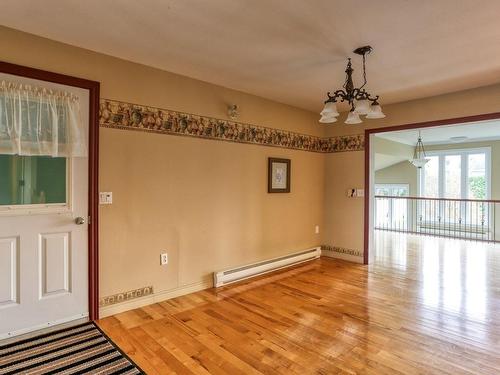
x=233 y=275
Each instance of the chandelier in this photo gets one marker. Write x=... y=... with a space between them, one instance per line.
x=419 y=160
x=360 y=101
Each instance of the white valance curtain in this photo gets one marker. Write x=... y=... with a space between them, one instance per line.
x=40 y=121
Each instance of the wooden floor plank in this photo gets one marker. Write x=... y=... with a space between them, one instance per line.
x=425 y=306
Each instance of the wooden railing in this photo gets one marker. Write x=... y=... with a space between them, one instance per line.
x=472 y=219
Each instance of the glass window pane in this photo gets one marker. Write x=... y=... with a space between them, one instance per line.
x=431 y=176
x=381 y=191
x=476 y=184
x=452 y=176
x=400 y=191
x=32 y=180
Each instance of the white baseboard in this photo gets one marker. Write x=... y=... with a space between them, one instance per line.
x=337 y=255
x=153 y=298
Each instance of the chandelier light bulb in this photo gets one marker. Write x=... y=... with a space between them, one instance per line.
x=362 y=107
x=419 y=163
x=375 y=112
x=330 y=109
x=353 y=118
x=327 y=119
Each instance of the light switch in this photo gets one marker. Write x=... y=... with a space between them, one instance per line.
x=105 y=197
x=360 y=192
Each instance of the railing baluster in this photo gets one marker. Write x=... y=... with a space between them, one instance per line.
x=470 y=219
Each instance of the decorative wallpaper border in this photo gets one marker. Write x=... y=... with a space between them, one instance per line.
x=128 y=116
x=342 y=250
x=125 y=296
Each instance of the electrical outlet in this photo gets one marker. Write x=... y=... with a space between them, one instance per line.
x=163 y=259
x=316 y=229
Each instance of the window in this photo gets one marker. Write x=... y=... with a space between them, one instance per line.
x=457 y=174
x=391 y=212
x=32 y=181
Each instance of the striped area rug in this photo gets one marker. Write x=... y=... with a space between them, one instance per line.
x=82 y=349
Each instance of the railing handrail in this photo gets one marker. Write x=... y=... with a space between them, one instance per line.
x=439 y=199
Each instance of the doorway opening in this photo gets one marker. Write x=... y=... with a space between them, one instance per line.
x=452 y=192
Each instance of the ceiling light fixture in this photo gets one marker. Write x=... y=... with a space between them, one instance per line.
x=458 y=139
x=360 y=101
x=419 y=160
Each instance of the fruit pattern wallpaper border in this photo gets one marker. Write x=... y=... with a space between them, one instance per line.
x=128 y=116
x=342 y=250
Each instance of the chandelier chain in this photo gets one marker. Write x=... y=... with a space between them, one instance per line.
x=364 y=72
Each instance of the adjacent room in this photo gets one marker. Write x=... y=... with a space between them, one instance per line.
x=236 y=187
x=443 y=188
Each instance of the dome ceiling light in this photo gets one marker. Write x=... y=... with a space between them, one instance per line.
x=360 y=101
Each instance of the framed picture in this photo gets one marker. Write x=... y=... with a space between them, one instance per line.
x=278 y=175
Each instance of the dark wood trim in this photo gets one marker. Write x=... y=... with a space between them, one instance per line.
x=367 y=199
x=270 y=162
x=416 y=125
x=93 y=234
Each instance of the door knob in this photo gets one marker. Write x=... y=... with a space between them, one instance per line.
x=79 y=220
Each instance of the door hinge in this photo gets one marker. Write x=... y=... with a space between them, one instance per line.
x=89 y=220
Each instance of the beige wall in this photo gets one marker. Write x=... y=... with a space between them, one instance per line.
x=399 y=173
x=345 y=171
x=203 y=201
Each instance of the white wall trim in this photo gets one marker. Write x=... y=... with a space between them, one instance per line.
x=154 y=298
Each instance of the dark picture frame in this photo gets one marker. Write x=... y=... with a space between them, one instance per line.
x=276 y=182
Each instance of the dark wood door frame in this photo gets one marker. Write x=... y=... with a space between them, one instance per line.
x=93 y=235
x=416 y=125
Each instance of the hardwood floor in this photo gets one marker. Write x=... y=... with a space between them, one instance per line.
x=426 y=306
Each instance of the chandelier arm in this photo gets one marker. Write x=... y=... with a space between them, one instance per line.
x=360 y=94
x=337 y=94
x=374 y=100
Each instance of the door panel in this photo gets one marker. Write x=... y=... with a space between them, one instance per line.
x=9 y=274
x=54 y=264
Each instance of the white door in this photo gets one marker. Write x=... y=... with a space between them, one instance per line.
x=43 y=246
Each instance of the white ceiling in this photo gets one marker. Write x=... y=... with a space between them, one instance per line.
x=291 y=51
x=474 y=131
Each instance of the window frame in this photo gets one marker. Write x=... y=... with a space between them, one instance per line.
x=45 y=208
x=464 y=165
